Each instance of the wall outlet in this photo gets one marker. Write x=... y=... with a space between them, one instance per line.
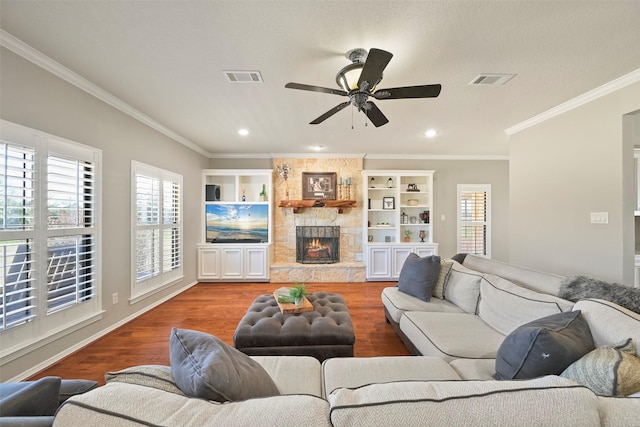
x=442 y=217
x=114 y=298
x=358 y=257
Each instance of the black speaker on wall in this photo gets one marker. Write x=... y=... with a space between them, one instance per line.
x=213 y=193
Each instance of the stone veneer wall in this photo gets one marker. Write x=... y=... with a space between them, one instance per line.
x=284 y=268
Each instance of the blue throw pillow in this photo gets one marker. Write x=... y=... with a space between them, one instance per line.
x=546 y=346
x=419 y=276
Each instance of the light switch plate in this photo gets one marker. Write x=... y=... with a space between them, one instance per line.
x=599 y=217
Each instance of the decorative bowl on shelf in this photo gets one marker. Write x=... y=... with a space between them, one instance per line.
x=412 y=202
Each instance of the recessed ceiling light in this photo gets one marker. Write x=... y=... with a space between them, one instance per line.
x=317 y=147
x=431 y=133
x=243 y=132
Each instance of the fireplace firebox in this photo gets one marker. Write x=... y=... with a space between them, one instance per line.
x=317 y=244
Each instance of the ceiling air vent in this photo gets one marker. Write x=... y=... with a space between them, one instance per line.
x=491 y=79
x=243 y=76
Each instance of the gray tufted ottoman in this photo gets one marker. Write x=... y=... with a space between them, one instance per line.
x=325 y=332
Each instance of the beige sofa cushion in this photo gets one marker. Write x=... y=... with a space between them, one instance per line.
x=397 y=303
x=601 y=315
x=279 y=369
x=619 y=412
x=463 y=288
x=156 y=376
x=341 y=372
x=451 y=335
x=505 y=305
x=539 y=402
x=120 y=404
x=532 y=279
x=474 y=369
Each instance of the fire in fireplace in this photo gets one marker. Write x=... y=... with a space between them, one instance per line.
x=317 y=245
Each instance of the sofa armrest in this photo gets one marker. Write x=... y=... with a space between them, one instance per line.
x=30 y=398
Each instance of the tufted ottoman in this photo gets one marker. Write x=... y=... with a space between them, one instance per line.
x=325 y=332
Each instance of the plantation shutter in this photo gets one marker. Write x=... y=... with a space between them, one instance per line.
x=157 y=229
x=473 y=219
x=171 y=226
x=71 y=255
x=17 y=182
x=148 y=233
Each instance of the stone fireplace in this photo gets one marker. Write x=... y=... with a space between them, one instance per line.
x=317 y=244
x=284 y=267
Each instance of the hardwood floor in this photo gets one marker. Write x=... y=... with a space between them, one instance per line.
x=217 y=309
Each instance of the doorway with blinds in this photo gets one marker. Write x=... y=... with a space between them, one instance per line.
x=474 y=219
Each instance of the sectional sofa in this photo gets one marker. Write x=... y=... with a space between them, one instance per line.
x=451 y=383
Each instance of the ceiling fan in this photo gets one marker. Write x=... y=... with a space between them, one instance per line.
x=358 y=81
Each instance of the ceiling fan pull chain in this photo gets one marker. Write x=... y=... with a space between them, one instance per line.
x=352 y=117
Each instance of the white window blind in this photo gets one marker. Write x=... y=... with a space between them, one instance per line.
x=70 y=243
x=49 y=235
x=474 y=231
x=158 y=228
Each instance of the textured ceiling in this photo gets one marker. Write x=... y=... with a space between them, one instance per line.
x=165 y=58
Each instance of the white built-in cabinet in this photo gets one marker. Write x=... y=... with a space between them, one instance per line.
x=236 y=225
x=398 y=205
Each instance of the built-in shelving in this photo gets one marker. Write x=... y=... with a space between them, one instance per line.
x=398 y=208
x=236 y=225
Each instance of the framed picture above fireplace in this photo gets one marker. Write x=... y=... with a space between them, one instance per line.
x=318 y=185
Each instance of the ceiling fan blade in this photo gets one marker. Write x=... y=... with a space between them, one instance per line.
x=425 y=91
x=374 y=114
x=375 y=64
x=329 y=113
x=315 y=89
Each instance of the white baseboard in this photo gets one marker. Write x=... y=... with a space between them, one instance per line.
x=41 y=366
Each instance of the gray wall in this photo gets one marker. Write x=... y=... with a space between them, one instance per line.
x=562 y=170
x=32 y=97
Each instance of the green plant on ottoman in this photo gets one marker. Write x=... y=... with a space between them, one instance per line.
x=298 y=292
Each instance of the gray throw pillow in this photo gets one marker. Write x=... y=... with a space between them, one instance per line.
x=419 y=276
x=546 y=346
x=206 y=367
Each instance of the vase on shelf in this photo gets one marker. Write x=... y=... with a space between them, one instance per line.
x=263 y=193
x=422 y=234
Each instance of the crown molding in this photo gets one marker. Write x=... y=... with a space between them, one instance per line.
x=358 y=156
x=436 y=157
x=318 y=155
x=22 y=49
x=605 y=89
x=239 y=156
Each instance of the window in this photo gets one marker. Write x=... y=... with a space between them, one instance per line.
x=474 y=219
x=157 y=233
x=49 y=235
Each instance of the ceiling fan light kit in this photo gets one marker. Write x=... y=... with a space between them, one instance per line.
x=359 y=80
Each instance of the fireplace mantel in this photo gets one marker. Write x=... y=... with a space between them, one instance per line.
x=297 y=204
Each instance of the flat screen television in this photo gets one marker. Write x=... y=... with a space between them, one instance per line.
x=237 y=223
